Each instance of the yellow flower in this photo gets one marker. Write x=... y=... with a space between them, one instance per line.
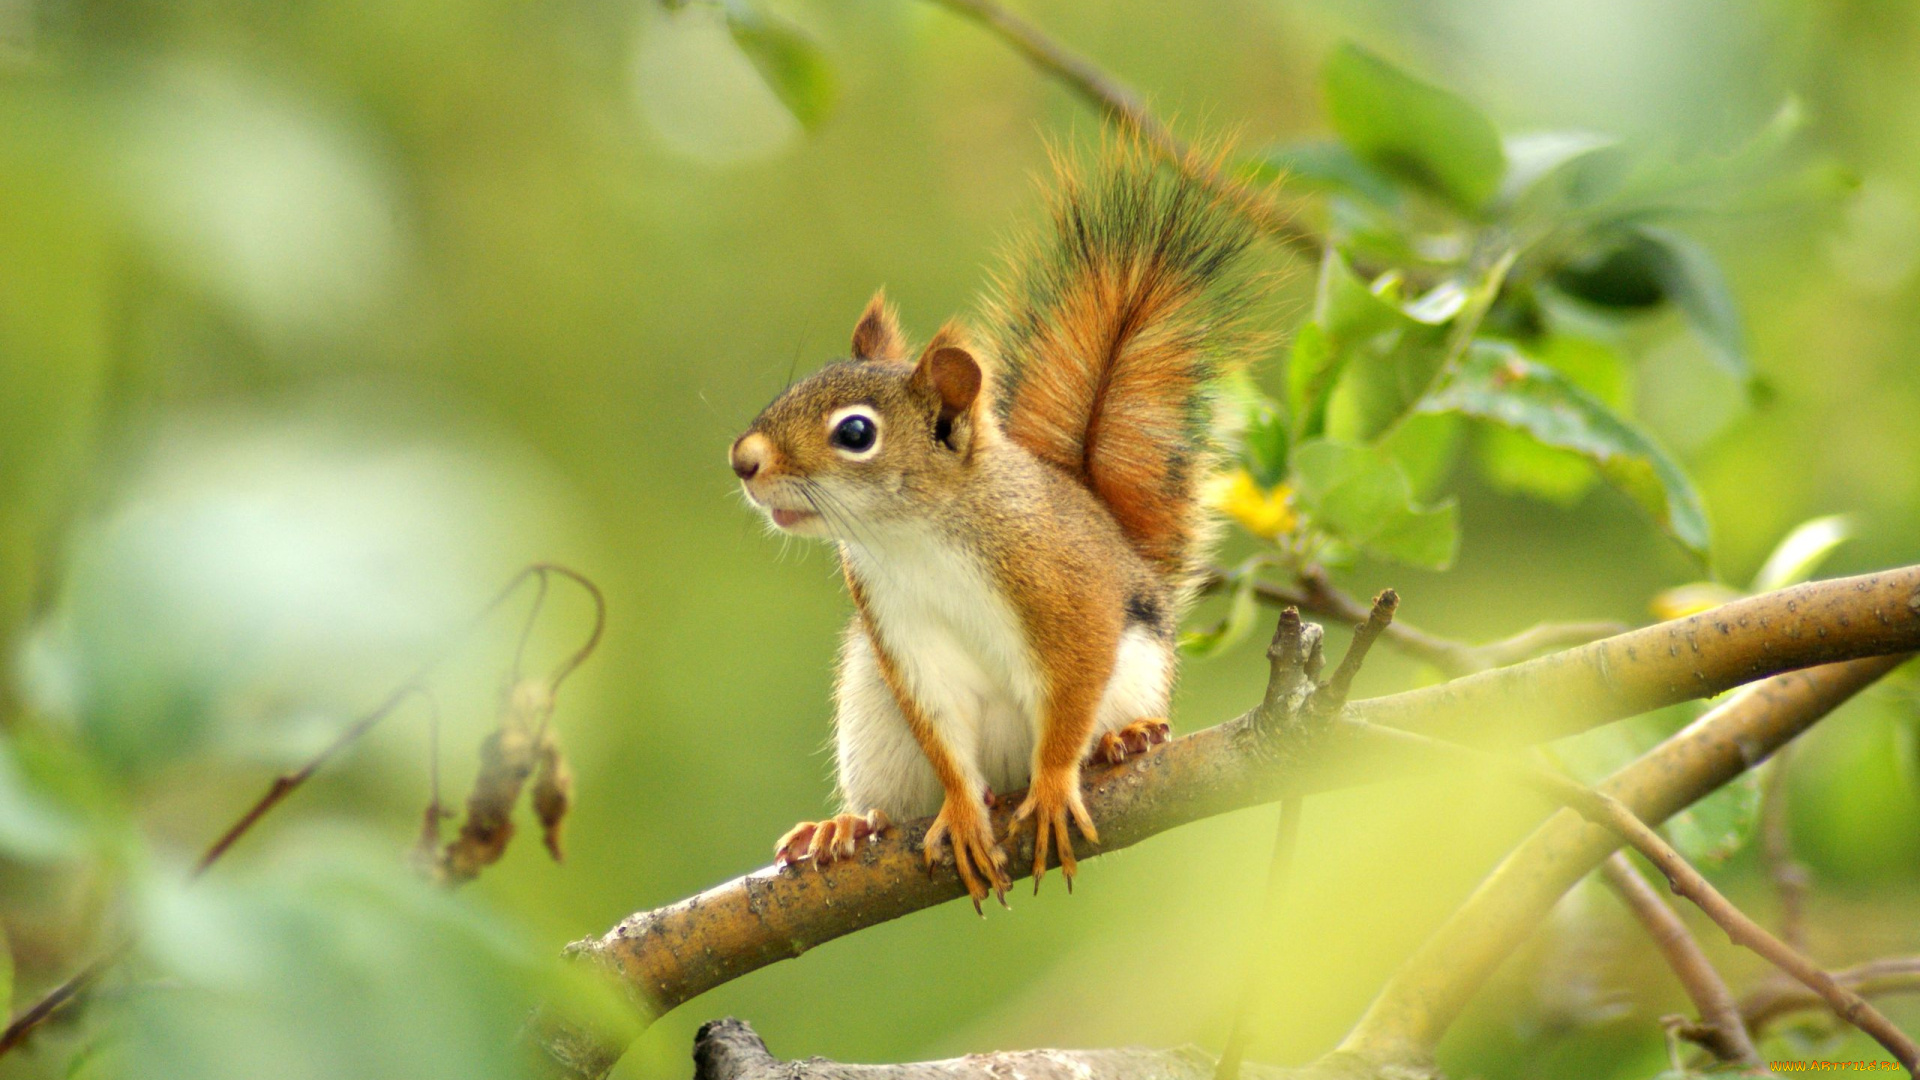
x=1266 y=514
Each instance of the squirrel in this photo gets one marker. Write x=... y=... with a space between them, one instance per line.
x=1019 y=518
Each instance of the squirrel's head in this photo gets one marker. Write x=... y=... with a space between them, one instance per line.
x=868 y=440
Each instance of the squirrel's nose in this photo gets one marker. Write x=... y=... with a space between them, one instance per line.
x=750 y=454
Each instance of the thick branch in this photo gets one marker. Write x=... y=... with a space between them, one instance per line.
x=729 y=1050
x=1427 y=994
x=1699 y=656
x=1610 y=813
x=1721 y=1029
x=674 y=953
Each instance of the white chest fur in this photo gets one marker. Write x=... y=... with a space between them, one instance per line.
x=962 y=651
x=959 y=647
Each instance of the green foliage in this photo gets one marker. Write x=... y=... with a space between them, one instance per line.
x=1498 y=384
x=1713 y=830
x=1498 y=275
x=794 y=66
x=1263 y=445
x=1412 y=129
x=296 y=965
x=1362 y=495
x=1239 y=619
x=1799 y=554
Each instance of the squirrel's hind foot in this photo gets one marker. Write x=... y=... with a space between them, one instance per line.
x=822 y=842
x=1051 y=803
x=1115 y=747
x=981 y=863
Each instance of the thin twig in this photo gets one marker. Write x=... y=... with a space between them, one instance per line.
x=1610 y=813
x=1720 y=1029
x=1286 y=839
x=1379 y=620
x=1781 y=997
x=542 y=580
x=1314 y=593
x=1417 y=1006
x=1120 y=103
x=1788 y=875
x=284 y=785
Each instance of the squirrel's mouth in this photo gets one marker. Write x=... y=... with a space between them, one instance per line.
x=787 y=519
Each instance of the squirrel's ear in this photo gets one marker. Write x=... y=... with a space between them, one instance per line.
x=950 y=372
x=877 y=336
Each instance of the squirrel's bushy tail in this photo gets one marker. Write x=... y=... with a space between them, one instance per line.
x=1108 y=333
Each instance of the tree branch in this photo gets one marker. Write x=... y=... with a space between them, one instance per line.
x=1721 y=1029
x=1609 y=812
x=1315 y=594
x=729 y=1050
x=669 y=955
x=1422 y=1000
x=1781 y=997
x=1121 y=104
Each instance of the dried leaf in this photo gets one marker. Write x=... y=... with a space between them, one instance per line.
x=507 y=758
x=553 y=796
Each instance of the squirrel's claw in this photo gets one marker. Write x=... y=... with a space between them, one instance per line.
x=1137 y=738
x=823 y=842
x=1054 y=799
x=980 y=862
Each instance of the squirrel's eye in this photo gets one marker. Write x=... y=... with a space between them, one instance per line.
x=855 y=433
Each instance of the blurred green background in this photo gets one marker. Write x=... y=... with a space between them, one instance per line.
x=318 y=321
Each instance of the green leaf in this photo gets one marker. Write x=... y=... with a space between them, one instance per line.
x=1379 y=359
x=1714 y=829
x=1795 y=558
x=1241 y=610
x=1543 y=174
x=1426 y=446
x=1321 y=165
x=1263 y=446
x=1690 y=277
x=790 y=61
x=1361 y=495
x=429 y=985
x=1517 y=464
x=1497 y=384
x=1311 y=371
x=1413 y=129
x=1622 y=273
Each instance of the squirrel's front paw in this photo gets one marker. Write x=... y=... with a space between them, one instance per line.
x=979 y=860
x=1054 y=798
x=838 y=837
x=1115 y=747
